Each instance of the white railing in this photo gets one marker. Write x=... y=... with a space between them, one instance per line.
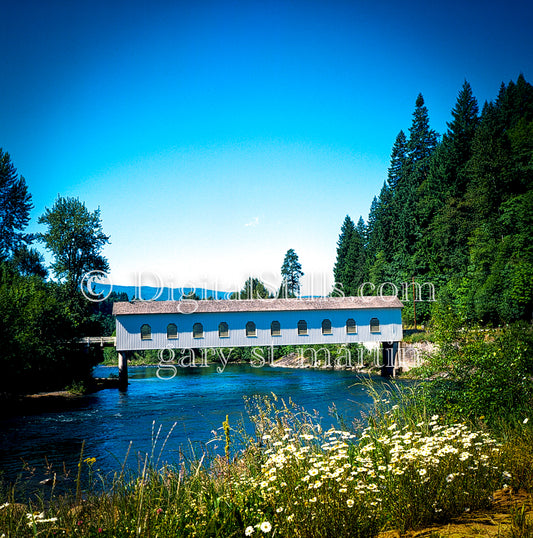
x=99 y=340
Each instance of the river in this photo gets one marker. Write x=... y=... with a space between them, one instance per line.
x=196 y=400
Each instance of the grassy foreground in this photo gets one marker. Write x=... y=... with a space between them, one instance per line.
x=405 y=470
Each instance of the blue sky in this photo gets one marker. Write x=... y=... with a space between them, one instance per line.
x=214 y=136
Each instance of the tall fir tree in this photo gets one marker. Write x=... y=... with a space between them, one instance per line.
x=15 y=207
x=355 y=266
x=343 y=244
x=420 y=147
x=291 y=272
x=444 y=216
x=397 y=160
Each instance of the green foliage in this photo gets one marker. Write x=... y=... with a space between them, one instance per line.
x=74 y=236
x=343 y=244
x=457 y=213
x=253 y=289
x=28 y=261
x=350 y=266
x=479 y=372
x=38 y=333
x=101 y=314
x=15 y=207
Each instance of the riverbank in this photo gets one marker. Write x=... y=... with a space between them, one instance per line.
x=51 y=401
x=510 y=516
x=294 y=479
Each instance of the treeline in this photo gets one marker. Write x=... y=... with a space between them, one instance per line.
x=41 y=321
x=456 y=212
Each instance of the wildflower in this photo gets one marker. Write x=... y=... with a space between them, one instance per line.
x=249 y=531
x=422 y=472
x=525 y=421
x=450 y=477
x=266 y=527
x=350 y=503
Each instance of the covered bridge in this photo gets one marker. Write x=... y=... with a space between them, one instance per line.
x=255 y=322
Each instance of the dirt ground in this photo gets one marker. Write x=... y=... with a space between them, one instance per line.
x=502 y=520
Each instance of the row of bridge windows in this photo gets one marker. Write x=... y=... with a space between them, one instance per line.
x=251 y=329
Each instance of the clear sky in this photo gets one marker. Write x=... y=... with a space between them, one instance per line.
x=214 y=136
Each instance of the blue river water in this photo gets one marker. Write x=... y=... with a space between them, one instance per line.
x=196 y=400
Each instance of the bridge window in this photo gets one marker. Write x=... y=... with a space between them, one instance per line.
x=146 y=332
x=275 y=329
x=302 y=327
x=172 y=331
x=374 y=325
x=251 y=329
x=197 y=330
x=326 y=326
x=351 y=327
x=223 y=330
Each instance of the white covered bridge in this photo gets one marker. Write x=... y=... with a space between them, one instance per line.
x=255 y=322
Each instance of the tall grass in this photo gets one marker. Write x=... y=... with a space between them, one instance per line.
x=405 y=469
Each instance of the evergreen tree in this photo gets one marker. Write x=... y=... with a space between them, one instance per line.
x=497 y=285
x=398 y=160
x=443 y=214
x=422 y=139
x=15 y=207
x=350 y=269
x=355 y=267
x=291 y=272
x=459 y=138
x=343 y=244
x=28 y=261
x=380 y=229
x=420 y=147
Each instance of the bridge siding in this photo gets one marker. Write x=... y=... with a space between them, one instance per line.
x=129 y=326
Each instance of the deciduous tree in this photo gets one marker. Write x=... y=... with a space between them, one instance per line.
x=75 y=237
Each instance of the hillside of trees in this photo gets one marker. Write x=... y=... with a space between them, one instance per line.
x=455 y=211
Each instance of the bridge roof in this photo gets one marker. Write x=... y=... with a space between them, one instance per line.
x=255 y=305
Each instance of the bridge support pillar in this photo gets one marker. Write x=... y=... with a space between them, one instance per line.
x=122 y=370
x=390 y=355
